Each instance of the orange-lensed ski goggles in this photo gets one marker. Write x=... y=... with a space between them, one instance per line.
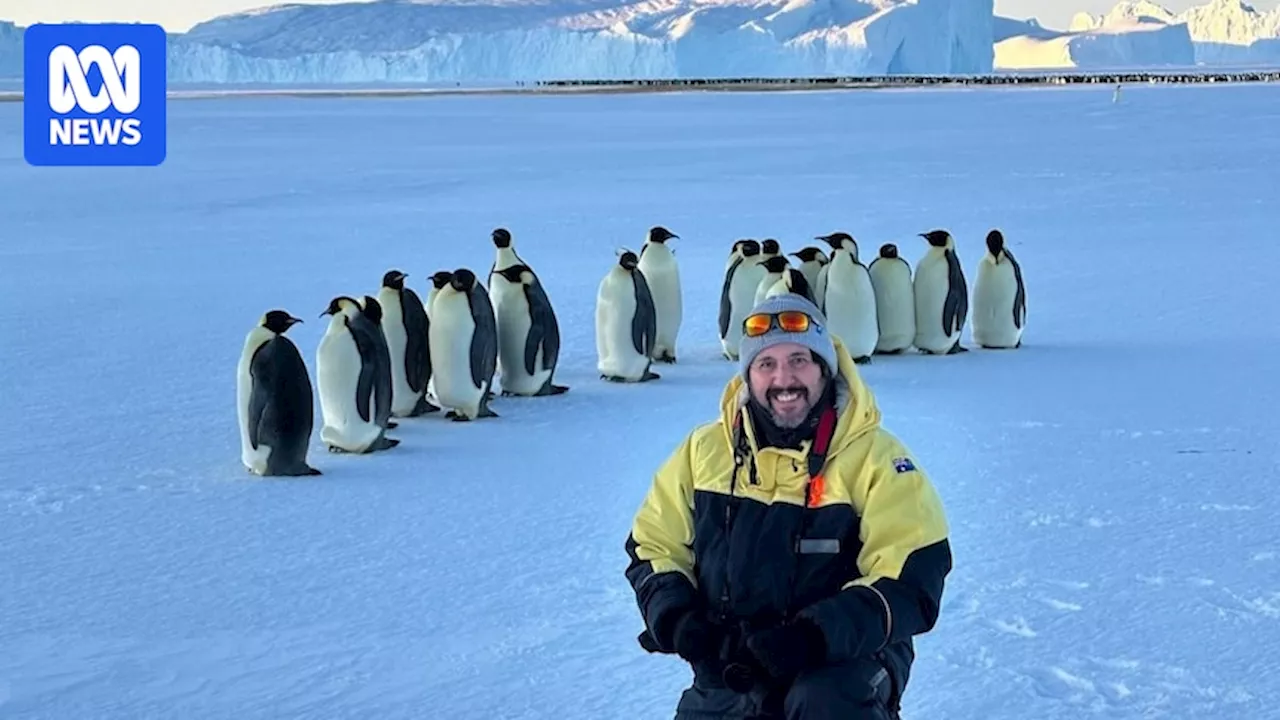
x=792 y=321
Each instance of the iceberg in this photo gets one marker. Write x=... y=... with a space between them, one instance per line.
x=454 y=41
x=1120 y=43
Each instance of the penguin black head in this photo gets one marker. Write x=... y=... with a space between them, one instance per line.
x=749 y=248
x=463 y=280
x=776 y=264
x=628 y=260
x=501 y=238
x=836 y=240
x=770 y=247
x=514 y=273
x=278 y=321
x=394 y=279
x=889 y=251
x=336 y=305
x=372 y=309
x=937 y=238
x=440 y=279
x=659 y=234
x=995 y=243
x=808 y=254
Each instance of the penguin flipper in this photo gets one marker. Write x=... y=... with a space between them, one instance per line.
x=644 y=325
x=544 y=331
x=260 y=392
x=368 y=371
x=726 y=300
x=417 y=349
x=1020 y=295
x=484 y=340
x=955 y=307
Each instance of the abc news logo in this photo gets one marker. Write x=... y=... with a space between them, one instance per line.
x=94 y=94
x=69 y=89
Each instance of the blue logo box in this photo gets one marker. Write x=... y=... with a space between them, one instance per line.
x=94 y=94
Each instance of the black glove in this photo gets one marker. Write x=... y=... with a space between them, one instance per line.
x=790 y=649
x=694 y=638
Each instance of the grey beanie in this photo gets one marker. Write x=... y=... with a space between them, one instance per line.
x=816 y=338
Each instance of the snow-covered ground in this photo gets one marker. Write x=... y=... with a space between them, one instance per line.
x=1111 y=485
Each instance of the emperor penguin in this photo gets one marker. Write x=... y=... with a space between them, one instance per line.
x=371 y=320
x=346 y=368
x=274 y=400
x=999 y=297
x=811 y=261
x=895 y=300
x=528 y=333
x=837 y=246
x=404 y=320
x=774 y=267
x=626 y=323
x=793 y=281
x=769 y=248
x=464 y=340
x=658 y=264
x=735 y=252
x=504 y=254
x=941 y=295
x=438 y=281
x=850 y=300
x=738 y=294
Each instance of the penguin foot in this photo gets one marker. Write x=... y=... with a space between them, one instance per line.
x=383 y=443
x=485 y=412
x=863 y=360
x=391 y=425
x=957 y=349
x=650 y=375
x=550 y=389
x=668 y=358
x=457 y=416
x=338 y=450
x=889 y=352
x=301 y=471
x=423 y=407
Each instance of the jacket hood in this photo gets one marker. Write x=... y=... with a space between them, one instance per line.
x=856 y=405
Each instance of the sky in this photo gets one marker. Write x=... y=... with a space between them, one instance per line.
x=180 y=15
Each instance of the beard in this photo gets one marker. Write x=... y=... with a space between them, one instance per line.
x=790 y=412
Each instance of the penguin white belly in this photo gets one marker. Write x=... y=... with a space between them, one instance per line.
x=993 y=297
x=742 y=297
x=895 y=308
x=511 y=309
x=851 y=309
x=776 y=288
x=254 y=460
x=766 y=284
x=451 y=331
x=337 y=375
x=403 y=399
x=615 y=307
x=930 y=288
x=663 y=275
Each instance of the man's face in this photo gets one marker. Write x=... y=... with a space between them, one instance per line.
x=787 y=380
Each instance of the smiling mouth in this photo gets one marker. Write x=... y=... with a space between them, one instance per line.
x=788 y=396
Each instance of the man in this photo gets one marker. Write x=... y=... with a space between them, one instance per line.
x=784 y=608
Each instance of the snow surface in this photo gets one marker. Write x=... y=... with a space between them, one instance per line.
x=1111 y=485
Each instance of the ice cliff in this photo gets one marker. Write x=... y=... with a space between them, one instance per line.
x=403 y=41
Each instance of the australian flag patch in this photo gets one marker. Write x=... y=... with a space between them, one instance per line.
x=903 y=464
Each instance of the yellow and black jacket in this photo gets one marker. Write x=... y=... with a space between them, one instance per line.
x=730 y=533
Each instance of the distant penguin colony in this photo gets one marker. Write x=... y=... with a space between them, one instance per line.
x=391 y=355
